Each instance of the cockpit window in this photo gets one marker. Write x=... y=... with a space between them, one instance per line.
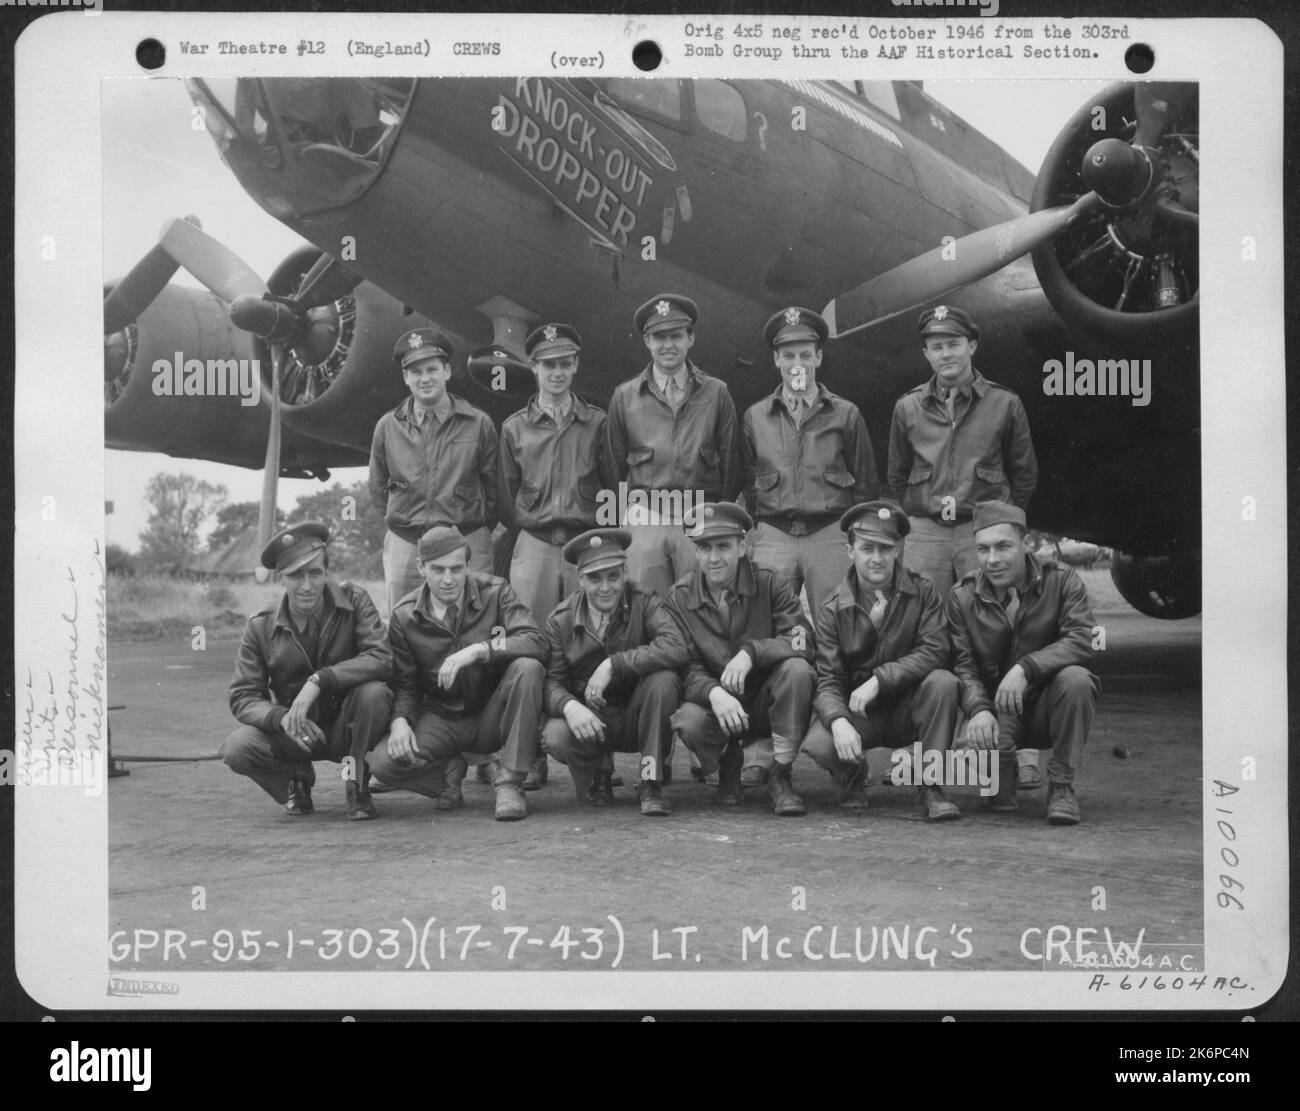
x=721 y=109
x=326 y=139
x=660 y=95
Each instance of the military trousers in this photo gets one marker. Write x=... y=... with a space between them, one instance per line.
x=659 y=555
x=942 y=551
x=540 y=575
x=639 y=725
x=271 y=760
x=509 y=724
x=927 y=713
x=1060 y=719
x=815 y=561
x=779 y=709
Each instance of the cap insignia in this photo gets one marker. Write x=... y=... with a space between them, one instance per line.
x=792 y=316
x=595 y=542
x=663 y=308
x=287 y=539
x=883 y=514
x=550 y=331
x=941 y=313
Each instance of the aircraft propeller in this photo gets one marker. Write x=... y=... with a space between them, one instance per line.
x=284 y=323
x=1119 y=175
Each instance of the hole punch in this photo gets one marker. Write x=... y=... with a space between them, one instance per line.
x=150 y=54
x=1139 y=58
x=646 y=55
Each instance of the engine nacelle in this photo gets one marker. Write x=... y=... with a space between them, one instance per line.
x=1168 y=587
x=1130 y=270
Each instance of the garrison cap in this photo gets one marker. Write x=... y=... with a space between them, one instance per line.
x=598 y=549
x=881 y=520
x=552 y=339
x=666 y=310
x=990 y=513
x=947 y=320
x=718 y=518
x=290 y=548
x=422 y=343
x=440 y=541
x=795 y=325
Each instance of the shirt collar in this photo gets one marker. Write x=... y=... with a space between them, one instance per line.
x=978 y=385
x=469 y=599
x=745 y=586
x=650 y=376
x=848 y=594
x=582 y=617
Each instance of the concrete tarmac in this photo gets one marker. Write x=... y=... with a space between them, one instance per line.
x=980 y=893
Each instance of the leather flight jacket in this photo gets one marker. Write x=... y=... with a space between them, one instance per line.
x=765 y=620
x=911 y=643
x=551 y=478
x=987 y=454
x=272 y=665
x=801 y=479
x=421 y=476
x=489 y=612
x=1054 y=628
x=694 y=449
x=642 y=638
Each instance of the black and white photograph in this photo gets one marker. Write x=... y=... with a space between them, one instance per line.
x=661 y=529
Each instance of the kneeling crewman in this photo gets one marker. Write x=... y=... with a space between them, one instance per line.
x=1022 y=637
x=882 y=654
x=468 y=675
x=750 y=674
x=612 y=682
x=310 y=679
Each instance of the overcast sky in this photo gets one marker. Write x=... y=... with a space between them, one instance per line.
x=156 y=166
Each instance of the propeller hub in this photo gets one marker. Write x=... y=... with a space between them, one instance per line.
x=1118 y=172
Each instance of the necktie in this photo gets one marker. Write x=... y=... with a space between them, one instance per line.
x=950 y=403
x=1013 y=606
x=674 y=394
x=724 y=608
x=451 y=617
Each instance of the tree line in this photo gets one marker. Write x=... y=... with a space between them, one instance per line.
x=182 y=507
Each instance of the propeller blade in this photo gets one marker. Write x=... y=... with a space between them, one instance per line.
x=325 y=283
x=271 y=471
x=920 y=280
x=137 y=291
x=215 y=265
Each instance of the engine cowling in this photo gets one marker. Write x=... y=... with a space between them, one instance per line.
x=1130 y=270
x=1167 y=587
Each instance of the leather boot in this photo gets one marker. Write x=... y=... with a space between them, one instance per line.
x=730 y=791
x=653 y=803
x=361 y=808
x=1062 y=806
x=511 y=804
x=451 y=796
x=850 y=786
x=483 y=773
x=785 y=803
x=602 y=790
x=933 y=807
x=537 y=775
x=1004 y=802
x=300 y=785
x=754 y=776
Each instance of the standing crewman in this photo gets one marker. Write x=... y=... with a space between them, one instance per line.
x=468 y=672
x=433 y=461
x=554 y=465
x=673 y=440
x=612 y=682
x=310 y=679
x=1022 y=637
x=750 y=675
x=807 y=461
x=956 y=440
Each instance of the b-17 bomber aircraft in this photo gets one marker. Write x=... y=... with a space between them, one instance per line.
x=486 y=206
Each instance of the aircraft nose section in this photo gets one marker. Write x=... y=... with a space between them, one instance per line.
x=300 y=145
